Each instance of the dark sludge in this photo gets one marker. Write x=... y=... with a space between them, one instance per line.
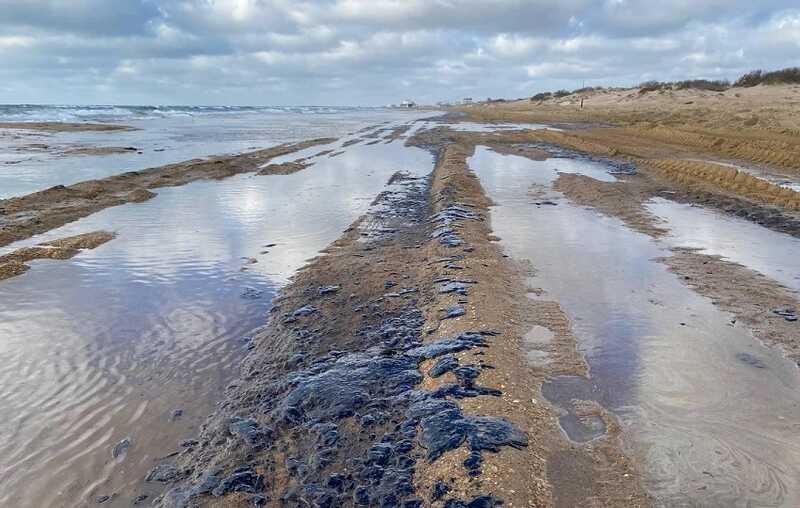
x=359 y=424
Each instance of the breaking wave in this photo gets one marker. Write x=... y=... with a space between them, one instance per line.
x=102 y=113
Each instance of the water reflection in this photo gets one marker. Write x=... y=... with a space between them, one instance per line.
x=712 y=429
x=164 y=141
x=108 y=345
x=775 y=255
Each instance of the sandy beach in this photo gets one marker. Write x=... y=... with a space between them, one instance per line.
x=429 y=356
x=465 y=285
x=399 y=254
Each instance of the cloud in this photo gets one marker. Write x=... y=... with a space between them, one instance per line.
x=90 y=17
x=374 y=51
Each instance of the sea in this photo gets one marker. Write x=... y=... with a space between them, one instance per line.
x=33 y=160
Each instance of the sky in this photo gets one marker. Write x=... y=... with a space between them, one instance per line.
x=374 y=52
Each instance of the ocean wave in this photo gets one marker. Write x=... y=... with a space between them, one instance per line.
x=116 y=113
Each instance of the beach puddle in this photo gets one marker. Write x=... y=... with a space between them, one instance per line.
x=32 y=161
x=537 y=340
x=709 y=413
x=773 y=254
x=570 y=395
x=110 y=359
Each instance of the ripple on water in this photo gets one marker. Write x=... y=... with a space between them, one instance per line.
x=713 y=430
x=166 y=140
x=108 y=345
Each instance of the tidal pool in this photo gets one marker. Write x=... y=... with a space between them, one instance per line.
x=710 y=426
x=25 y=167
x=776 y=255
x=136 y=339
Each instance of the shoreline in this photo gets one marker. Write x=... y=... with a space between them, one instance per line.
x=15 y=262
x=415 y=313
x=25 y=216
x=66 y=126
x=315 y=330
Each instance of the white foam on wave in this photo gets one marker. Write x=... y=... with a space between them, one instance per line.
x=101 y=113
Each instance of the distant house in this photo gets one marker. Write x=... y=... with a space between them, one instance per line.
x=467 y=100
x=408 y=104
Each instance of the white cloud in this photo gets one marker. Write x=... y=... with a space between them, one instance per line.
x=357 y=51
x=565 y=70
x=15 y=41
x=511 y=45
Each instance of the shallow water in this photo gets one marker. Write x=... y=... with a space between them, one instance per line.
x=167 y=139
x=710 y=413
x=108 y=345
x=776 y=255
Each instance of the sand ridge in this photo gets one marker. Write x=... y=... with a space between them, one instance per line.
x=14 y=263
x=25 y=216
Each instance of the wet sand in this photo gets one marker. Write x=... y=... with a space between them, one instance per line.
x=416 y=313
x=156 y=320
x=680 y=155
x=98 y=150
x=689 y=385
x=14 y=263
x=416 y=364
x=70 y=150
x=701 y=141
x=387 y=365
x=749 y=295
x=64 y=126
x=25 y=216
